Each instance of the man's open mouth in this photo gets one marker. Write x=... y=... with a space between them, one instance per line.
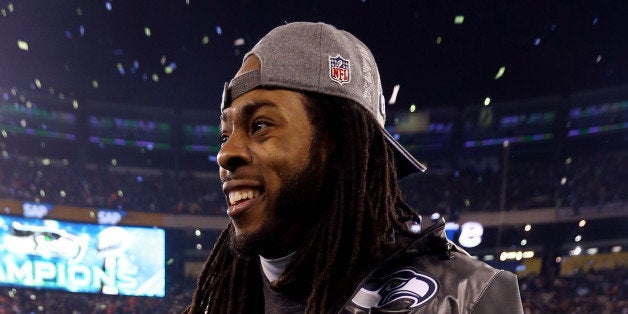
x=237 y=196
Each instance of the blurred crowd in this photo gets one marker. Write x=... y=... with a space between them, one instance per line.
x=594 y=291
x=587 y=180
x=581 y=181
x=108 y=187
x=22 y=301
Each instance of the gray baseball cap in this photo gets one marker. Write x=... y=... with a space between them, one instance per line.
x=317 y=57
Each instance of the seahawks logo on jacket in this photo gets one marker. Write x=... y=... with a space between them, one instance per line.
x=405 y=285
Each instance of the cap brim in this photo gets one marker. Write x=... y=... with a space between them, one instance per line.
x=404 y=161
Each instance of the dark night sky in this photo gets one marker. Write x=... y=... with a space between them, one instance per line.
x=545 y=47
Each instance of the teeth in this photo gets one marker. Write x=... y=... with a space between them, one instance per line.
x=236 y=196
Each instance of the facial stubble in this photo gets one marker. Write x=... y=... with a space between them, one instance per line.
x=298 y=205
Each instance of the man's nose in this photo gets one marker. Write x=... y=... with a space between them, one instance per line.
x=234 y=152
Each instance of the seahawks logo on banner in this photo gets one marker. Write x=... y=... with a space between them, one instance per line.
x=405 y=285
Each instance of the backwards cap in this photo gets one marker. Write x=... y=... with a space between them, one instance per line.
x=319 y=58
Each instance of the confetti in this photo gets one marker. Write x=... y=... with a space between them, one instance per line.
x=22 y=45
x=500 y=72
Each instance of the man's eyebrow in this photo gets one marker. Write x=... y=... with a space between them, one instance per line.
x=248 y=109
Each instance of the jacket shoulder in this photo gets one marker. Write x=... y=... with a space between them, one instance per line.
x=500 y=296
x=467 y=285
x=427 y=279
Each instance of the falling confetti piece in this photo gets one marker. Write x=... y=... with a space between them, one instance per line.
x=500 y=72
x=22 y=45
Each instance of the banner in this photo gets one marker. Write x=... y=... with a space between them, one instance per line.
x=76 y=257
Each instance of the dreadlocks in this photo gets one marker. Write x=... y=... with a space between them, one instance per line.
x=355 y=231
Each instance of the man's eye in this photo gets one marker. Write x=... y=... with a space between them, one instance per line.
x=258 y=125
x=223 y=139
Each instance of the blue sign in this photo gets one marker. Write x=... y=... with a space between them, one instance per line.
x=79 y=257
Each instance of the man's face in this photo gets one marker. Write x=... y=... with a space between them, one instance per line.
x=271 y=173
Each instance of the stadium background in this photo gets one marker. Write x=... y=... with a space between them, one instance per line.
x=519 y=109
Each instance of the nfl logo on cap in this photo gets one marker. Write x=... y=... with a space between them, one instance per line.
x=339 y=70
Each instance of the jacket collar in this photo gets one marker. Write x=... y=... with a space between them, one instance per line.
x=433 y=241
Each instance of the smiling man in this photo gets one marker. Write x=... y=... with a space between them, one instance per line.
x=271 y=169
x=318 y=223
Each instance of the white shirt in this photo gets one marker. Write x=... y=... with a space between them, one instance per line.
x=273 y=268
